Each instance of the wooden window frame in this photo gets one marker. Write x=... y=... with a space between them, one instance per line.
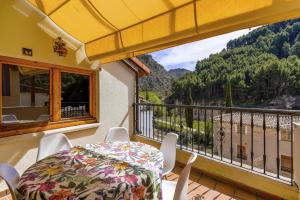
x=55 y=120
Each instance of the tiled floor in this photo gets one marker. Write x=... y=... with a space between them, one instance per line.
x=203 y=187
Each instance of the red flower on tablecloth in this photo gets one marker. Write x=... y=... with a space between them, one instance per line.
x=91 y=161
x=138 y=192
x=31 y=177
x=130 y=178
x=61 y=195
x=47 y=186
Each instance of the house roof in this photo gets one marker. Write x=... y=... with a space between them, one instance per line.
x=142 y=69
x=270 y=119
x=114 y=30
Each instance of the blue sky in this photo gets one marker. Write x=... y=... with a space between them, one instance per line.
x=186 y=56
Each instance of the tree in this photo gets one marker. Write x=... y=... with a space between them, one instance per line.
x=147 y=95
x=189 y=111
x=228 y=96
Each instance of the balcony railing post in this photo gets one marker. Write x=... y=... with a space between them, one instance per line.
x=296 y=151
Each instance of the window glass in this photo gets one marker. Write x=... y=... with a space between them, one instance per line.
x=25 y=95
x=74 y=95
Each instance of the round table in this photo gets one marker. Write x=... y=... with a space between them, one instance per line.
x=120 y=170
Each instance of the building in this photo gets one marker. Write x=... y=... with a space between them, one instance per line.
x=242 y=148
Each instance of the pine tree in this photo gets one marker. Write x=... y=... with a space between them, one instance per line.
x=147 y=95
x=228 y=96
x=189 y=111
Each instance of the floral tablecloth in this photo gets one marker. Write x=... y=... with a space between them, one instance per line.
x=94 y=173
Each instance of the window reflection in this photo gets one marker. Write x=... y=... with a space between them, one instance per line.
x=75 y=95
x=25 y=94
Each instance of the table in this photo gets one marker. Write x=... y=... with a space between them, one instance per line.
x=100 y=171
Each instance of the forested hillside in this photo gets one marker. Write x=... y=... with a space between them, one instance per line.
x=159 y=80
x=262 y=66
x=178 y=72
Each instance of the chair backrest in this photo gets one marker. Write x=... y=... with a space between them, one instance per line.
x=11 y=177
x=51 y=144
x=168 y=148
x=9 y=118
x=117 y=134
x=181 y=191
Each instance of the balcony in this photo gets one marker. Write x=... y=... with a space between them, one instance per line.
x=253 y=148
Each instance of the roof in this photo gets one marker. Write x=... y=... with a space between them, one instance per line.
x=270 y=119
x=143 y=70
x=119 y=29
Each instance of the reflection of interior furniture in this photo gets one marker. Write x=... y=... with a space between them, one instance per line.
x=117 y=134
x=51 y=144
x=43 y=118
x=179 y=190
x=10 y=118
x=168 y=148
x=11 y=177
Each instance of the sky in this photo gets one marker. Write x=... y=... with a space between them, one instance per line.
x=186 y=56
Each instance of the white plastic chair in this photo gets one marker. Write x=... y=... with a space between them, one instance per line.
x=51 y=144
x=10 y=118
x=179 y=190
x=117 y=134
x=11 y=177
x=168 y=148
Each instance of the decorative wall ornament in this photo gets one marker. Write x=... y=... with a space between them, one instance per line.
x=59 y=47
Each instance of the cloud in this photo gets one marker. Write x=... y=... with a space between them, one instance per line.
x=186 y=56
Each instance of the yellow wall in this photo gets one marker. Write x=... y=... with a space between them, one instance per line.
x=20 y=27
x=115 y=86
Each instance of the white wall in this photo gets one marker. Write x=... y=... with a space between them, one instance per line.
x=117 y=95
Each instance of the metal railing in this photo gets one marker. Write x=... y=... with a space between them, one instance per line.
x=246 y=137
x=74 y=109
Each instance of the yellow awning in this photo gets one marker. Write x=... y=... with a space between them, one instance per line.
x=116 y=29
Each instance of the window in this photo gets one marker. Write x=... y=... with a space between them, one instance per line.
x=25 y=96
x=241 y=152
x=74 y=95
x=286 y=163
x=285 y=135
x=244 y=129
x=6 y=81
x=35 y=94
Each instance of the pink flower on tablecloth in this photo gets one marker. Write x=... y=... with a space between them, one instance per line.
x=108 y=170
x=79 y=157
x=83 y=172
x=131 y=178
x=47 y=186
x=132 y=153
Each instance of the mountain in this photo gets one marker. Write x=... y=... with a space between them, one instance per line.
x=262 y=66
x=178 y=73
x=159 y=80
